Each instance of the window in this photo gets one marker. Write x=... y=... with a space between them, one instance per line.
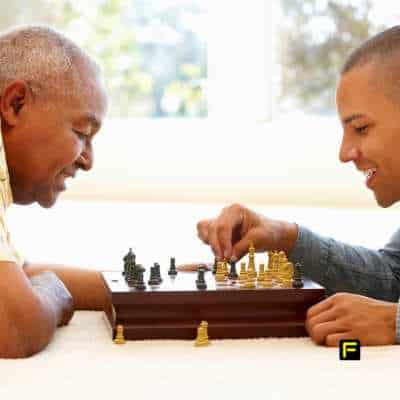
x=152 y=52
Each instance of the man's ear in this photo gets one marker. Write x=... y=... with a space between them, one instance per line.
x=14 y=98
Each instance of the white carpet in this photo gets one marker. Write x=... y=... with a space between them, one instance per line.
x=83 y=363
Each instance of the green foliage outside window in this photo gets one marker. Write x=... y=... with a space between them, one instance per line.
x=146 y=49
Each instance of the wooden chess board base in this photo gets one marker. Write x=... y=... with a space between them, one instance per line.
x=175 y=309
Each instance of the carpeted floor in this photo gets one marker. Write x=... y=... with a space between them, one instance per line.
x=83 y=363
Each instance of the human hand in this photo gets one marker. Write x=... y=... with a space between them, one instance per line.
x=231 y=233
x=351 y=316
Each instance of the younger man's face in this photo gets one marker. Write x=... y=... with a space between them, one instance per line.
x=371 y=131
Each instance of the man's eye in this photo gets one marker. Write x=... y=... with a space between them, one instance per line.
x=361 y=129
x=80 y=134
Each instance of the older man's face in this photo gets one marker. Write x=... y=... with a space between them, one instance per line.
x=55 y=141
x=371 y=132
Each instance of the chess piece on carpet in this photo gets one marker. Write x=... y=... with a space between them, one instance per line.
x=202 y=335
x=119 y=336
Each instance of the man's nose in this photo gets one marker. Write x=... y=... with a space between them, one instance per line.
x=348 y=151
x=85 y=160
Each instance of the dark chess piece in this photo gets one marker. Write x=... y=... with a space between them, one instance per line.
x=214 y=271
x=130 y=274
x=172 y=268
x=137 y=268
x=153 y=281
x=129 y=258
x=200 y=281
x=140 y=285
x=297 y=276
x=158 y=272
x=233 y=273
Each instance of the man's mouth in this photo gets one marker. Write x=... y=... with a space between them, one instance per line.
x=369 y=175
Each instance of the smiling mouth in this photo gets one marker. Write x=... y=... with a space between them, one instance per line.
x=369 y=175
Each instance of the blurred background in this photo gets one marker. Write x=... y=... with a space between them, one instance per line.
x=211 y=102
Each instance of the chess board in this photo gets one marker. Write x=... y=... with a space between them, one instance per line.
x=175 y=308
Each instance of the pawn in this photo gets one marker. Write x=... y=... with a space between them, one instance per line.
x=158 y=272
x=202 y=335
x=140 y=285
x=233 y=275
x=297 y=278
x=243 y=273
x=261 y=273
x=172 y=267
x=220 y=274
x=119 y=336
x=250 y=283
x=200 y=281
x=153 y=281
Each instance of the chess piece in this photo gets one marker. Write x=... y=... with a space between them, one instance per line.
x=172 y=268
x=261 y=273
x=129 y=259
x=158 y=272
x=243 y=272
x=202 y=335
x=251 y=269
x=220 y=274
x=139 y=284
x=130 y=273
x=297 y=278
x=153 y=281
x=250 y=283
x=267 y=282
x=200 y=281
x=225 y=267
x=233 y=275
x=119 y=335
x=214 y=271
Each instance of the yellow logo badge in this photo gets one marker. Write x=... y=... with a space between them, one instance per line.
x=349 y=349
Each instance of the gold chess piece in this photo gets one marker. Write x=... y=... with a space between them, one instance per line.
x=119 y=336
x=267 y=281
x=261 y=273
x=202 y=335
x=251 y=270
x=250 y=282
x=220 y=274
x=225 y=268
x=286 y=282
x=242 y=273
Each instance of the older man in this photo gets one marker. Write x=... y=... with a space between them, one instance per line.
x=366 y=282
x=52 y=103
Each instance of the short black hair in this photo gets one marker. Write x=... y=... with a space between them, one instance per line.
x=381 y=47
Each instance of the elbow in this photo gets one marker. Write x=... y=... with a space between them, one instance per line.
x=25 y=336
x=16 y=344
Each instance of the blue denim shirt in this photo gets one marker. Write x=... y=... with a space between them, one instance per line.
x=340 y=267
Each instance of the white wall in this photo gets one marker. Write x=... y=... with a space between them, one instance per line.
x=292 y=161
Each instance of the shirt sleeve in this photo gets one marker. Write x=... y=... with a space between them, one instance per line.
x=340 y=267
x=7 y=250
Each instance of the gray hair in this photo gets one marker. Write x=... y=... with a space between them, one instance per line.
x=44 y=58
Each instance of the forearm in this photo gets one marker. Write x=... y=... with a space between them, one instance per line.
x=340 y=267
x=86 y=286
x=29 y=324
